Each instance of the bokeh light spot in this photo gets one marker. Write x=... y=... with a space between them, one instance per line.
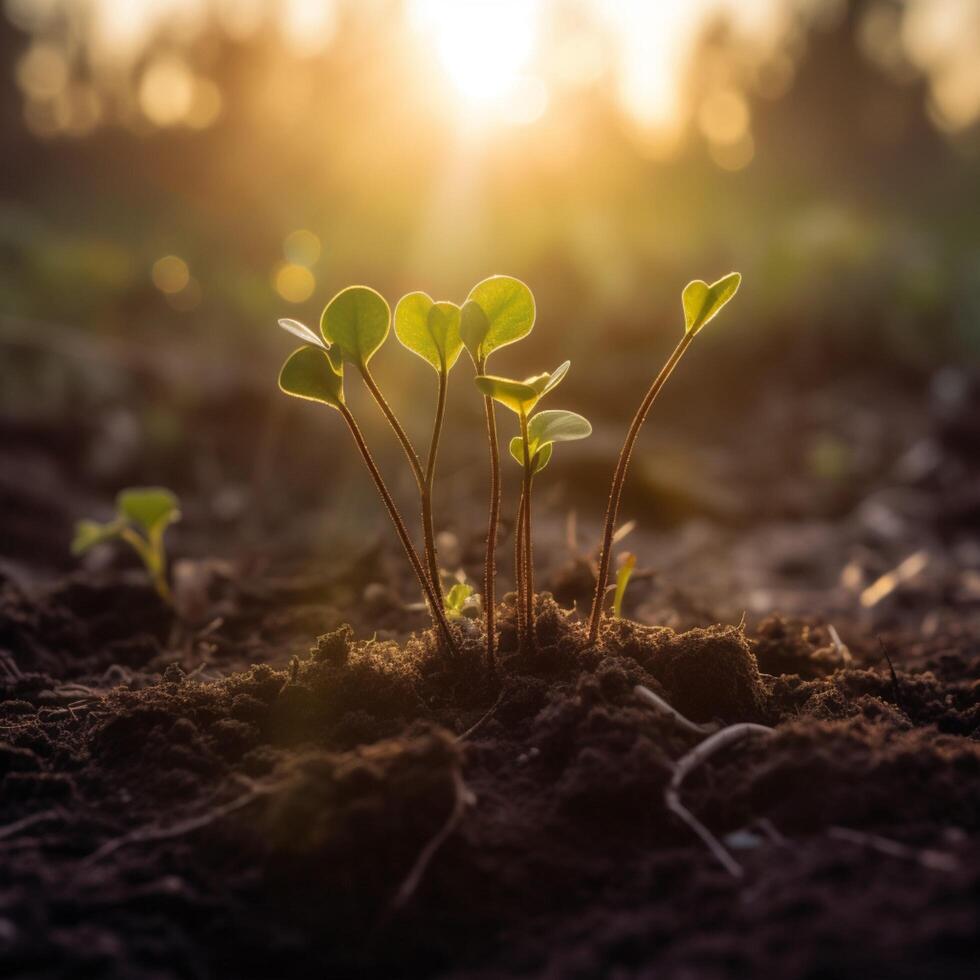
x=166 y=91
x=170 y=274
x=294 y=283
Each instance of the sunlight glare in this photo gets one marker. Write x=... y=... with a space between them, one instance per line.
x=482 y=45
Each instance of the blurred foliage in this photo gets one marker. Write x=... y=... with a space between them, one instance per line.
x=847 y=217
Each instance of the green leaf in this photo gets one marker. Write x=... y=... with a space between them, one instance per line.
x=357 y=320
x=521 y=396
x=302 y=331
x=556 y=425
x=622 y=580
x=540 y=457
x=456 y=598
x=90 y=533
x=515 y=395
x=702 y=302
x=315 y=375
x=429 y=329
x=150 y=508
x=497 y=312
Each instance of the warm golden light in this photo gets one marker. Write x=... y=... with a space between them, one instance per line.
x=294 y=283
x=482 y=45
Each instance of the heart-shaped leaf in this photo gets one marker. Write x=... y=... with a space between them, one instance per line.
x=302 y=331
x=429 y=329
x=456 y=597
x=702 y=302
x=90 y=533
x=556 y=425
x=498 y=311
x=151 y=508
x=540 y=458
x=357 y=320
x=314 y=374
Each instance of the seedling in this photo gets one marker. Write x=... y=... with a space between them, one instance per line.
x=354 y=325
x=460 y=599
x=533 y=453
x=431 y=330
x=623 y=576
x=143 y=514
x=701 y=303
x=498 y=311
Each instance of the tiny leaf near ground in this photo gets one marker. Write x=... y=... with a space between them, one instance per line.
x=623 y=576
x=540 y=457
x=90 y=533
x=498 y=311
x=456 y=599
x=357 y=320
x=429 y=329
x=314 y=374
x=702 y=302
x=521 y=396
x=302 y=331
x=150 y=508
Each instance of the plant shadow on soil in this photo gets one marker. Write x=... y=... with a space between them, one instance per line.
x=264 y=823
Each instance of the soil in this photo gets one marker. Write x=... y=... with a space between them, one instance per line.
x=259 y=789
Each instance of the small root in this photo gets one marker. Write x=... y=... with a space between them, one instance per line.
x=928 y=858
x=463 y=797
x=660 y=705
x=686 y=765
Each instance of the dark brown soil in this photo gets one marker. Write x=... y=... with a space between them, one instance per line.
x=262 y=791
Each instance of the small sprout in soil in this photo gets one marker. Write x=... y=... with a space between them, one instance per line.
x=143 y=514
x=623 y=576
x=460 y=600
x=532 y=451
x=700 y=303
x=358 y=320
x=498 y=311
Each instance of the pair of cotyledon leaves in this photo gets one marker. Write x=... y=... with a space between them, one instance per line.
x=498 y=311
x=356 y=322
x=150 y=509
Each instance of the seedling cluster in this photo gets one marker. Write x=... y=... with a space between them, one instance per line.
x=498 y=311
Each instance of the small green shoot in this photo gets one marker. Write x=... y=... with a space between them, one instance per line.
x=623 y=576
x=521 y=397
x=459 y=599
x=498 y=311
x=143 y=514
x=700 y=303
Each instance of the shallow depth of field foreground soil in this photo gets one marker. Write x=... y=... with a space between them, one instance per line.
x=272 y=793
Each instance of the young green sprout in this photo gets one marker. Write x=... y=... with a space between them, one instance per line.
x=701 y=303
x=460 y=599
x=498 y=311
x=431 y=330
x=623 y=576
x=521 y=397
x=143 y=514
x=358 y=321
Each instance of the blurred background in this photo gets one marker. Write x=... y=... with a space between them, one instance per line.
x=179 y=173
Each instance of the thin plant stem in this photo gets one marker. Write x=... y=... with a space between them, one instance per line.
x=155 y=562
x=490 y=565
x=438 y=613
x=428 y=529
x=406 y=443
x=519 y=570
x=420 y=480
x=619 y=479
x=526 y=531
